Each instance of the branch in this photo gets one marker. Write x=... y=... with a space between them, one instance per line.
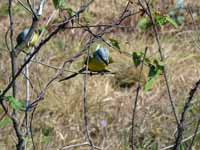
x=180 y=126
x=24 y=6
x=136 y=100
x=156 y=34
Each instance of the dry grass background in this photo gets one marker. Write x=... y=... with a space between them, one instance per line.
x=58 y=119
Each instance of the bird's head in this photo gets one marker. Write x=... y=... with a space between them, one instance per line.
x=22 y=36
x=102 y=54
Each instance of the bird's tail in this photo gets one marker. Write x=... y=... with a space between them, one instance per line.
x=73 y=75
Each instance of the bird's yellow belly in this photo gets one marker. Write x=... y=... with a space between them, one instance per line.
x=34 y=39
x=96 y=66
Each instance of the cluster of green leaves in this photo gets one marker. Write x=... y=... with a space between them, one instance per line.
x=46 y=134
x=159 y=19
x=61 y=5
x=15 y=103
x=155 y=68
x=162 y=20
x=5 y=122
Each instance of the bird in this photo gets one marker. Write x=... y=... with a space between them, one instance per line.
x=97 y=62
x=22 y=37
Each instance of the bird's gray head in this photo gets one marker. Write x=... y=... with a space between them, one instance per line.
x=102 y=54
x=22 y=36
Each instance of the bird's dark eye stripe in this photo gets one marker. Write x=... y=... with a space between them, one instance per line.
x=102 y=58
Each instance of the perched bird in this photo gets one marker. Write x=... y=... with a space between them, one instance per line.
x=97 y=62
x=22 y=37
x=177 y=14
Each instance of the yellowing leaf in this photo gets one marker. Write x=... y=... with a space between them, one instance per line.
x=115 y=43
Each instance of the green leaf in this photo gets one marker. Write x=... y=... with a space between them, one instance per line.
x=198 y=135
x=41 y=29
x=59 y=4
x=70 y=11
x=147 y=61
x=9 y=98
x=47 y=131
x=159 y=65
x=155 y=146
x=14 y=103
x=172 y=21
x=137 y=58
x=182 y=147
x=144 y=23
x=154 y=72
x=150 y=83
x=5 y=122
x=160 y=20
x=115 y=43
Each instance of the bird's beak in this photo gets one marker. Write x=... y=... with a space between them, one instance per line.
x=106 y=61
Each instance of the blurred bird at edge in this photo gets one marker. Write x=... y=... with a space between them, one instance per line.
x=22 y=37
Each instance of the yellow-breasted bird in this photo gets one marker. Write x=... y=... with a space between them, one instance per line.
x=22 y=37
x=97 y=62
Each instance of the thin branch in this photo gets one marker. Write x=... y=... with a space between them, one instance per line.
x=195 y=134
x=40 y=8
x=32 y=9
x=180 y=126
x=31 y=122
x=183 y=141
x=24 y=6
x=148 y=12
x=20 y=144
x=85 y=103
x=13 y=58
x=27 y=99
x=6 y=40
x=94 y=26
x=136 y=100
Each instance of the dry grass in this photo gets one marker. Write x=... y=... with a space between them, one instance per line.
x=59 y=119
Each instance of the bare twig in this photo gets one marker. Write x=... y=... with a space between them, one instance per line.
x=195 y=134
x=180 y=126
x=27 y=99
x=24 y=6
x=183 y=141
x=147 y=10
x=20 y=144
x=85 y=104
x=32 y=9
x=136 y=100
